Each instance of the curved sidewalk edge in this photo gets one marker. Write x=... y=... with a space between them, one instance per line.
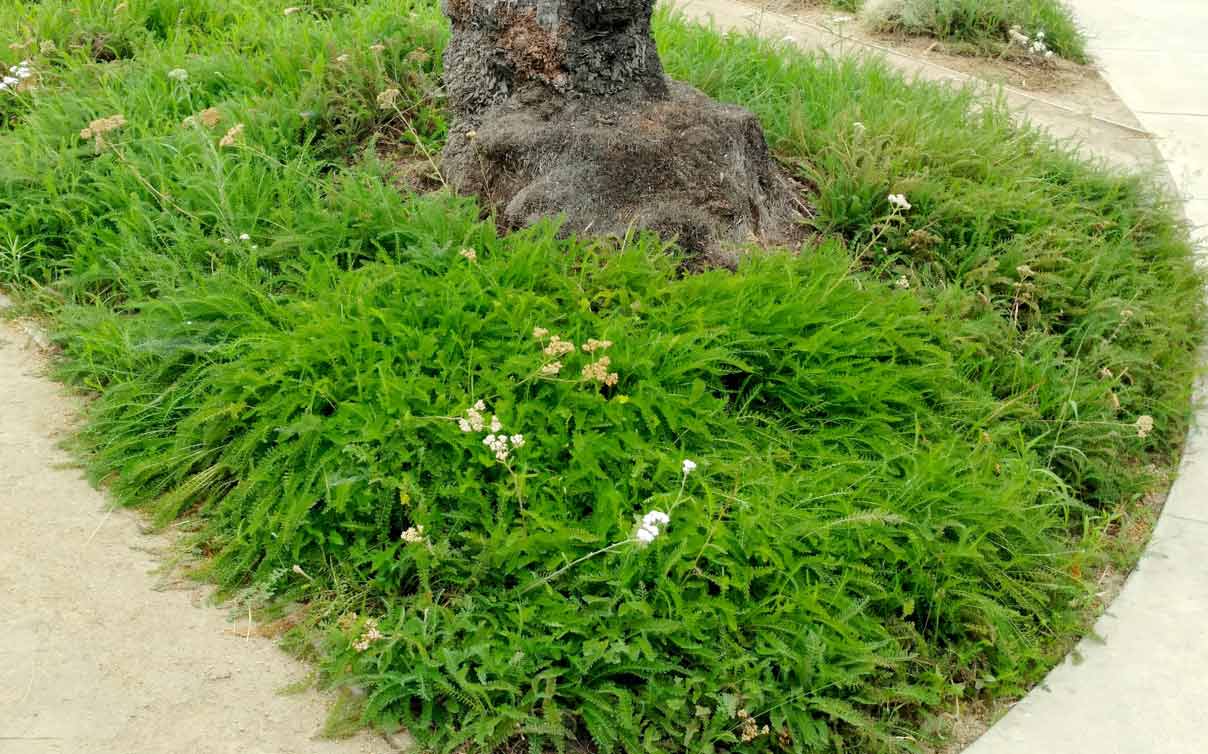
x=1142 y=686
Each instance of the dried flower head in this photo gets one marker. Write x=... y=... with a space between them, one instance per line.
x=550 y=369
x=540 y=332
x=387 y=98
x=558 y=347
x=232 y=136
x=1144 y=425
x=209 y=118
x=469 y=254
x=102 y=126
x=597 y=371
x=592 y=345
x=750 y=729
x=97 y=129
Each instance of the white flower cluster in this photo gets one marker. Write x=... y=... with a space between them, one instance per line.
x=689 y=466
x=1035 y=45
x=502 y=445
x=178 y=74
x=473 y=421
x=413 y=535
x=16 y=74
x=899 y=201
x=368 y=636
x=649 y=529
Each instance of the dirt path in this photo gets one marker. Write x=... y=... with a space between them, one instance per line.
x=96 y=657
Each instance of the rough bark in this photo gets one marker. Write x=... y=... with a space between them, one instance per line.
x=561 y=108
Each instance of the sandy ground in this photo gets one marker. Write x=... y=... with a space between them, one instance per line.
x=96 y=655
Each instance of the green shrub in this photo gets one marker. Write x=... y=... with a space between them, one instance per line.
x=909 y=437
x=985 y=25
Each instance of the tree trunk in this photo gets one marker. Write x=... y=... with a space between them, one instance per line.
x=561 y=107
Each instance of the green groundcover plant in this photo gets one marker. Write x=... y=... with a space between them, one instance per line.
x=556 y=494
x=1042 y=28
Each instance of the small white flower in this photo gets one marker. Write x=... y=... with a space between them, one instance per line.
x=11 y=81
x=689 y=466
x=902 y=282
x=496 y=425
x=489 y=440
x=656 y=519
x=517 y=441
x=899 y=201
x=178 y=74
x=646 y=535
x=464 y=425
x=244 y=237
x=413 y=535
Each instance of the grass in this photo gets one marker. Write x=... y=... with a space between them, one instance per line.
x=912 y=439
x=980 y=27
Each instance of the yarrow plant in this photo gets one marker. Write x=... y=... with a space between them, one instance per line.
x=17 y=75
x=369 y=636
x=1035 y=44
x=97 y=129
x=648 y=530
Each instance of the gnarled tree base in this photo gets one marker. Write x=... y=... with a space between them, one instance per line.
x=681 y=164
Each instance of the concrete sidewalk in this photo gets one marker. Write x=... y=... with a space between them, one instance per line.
x=1143 y=689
